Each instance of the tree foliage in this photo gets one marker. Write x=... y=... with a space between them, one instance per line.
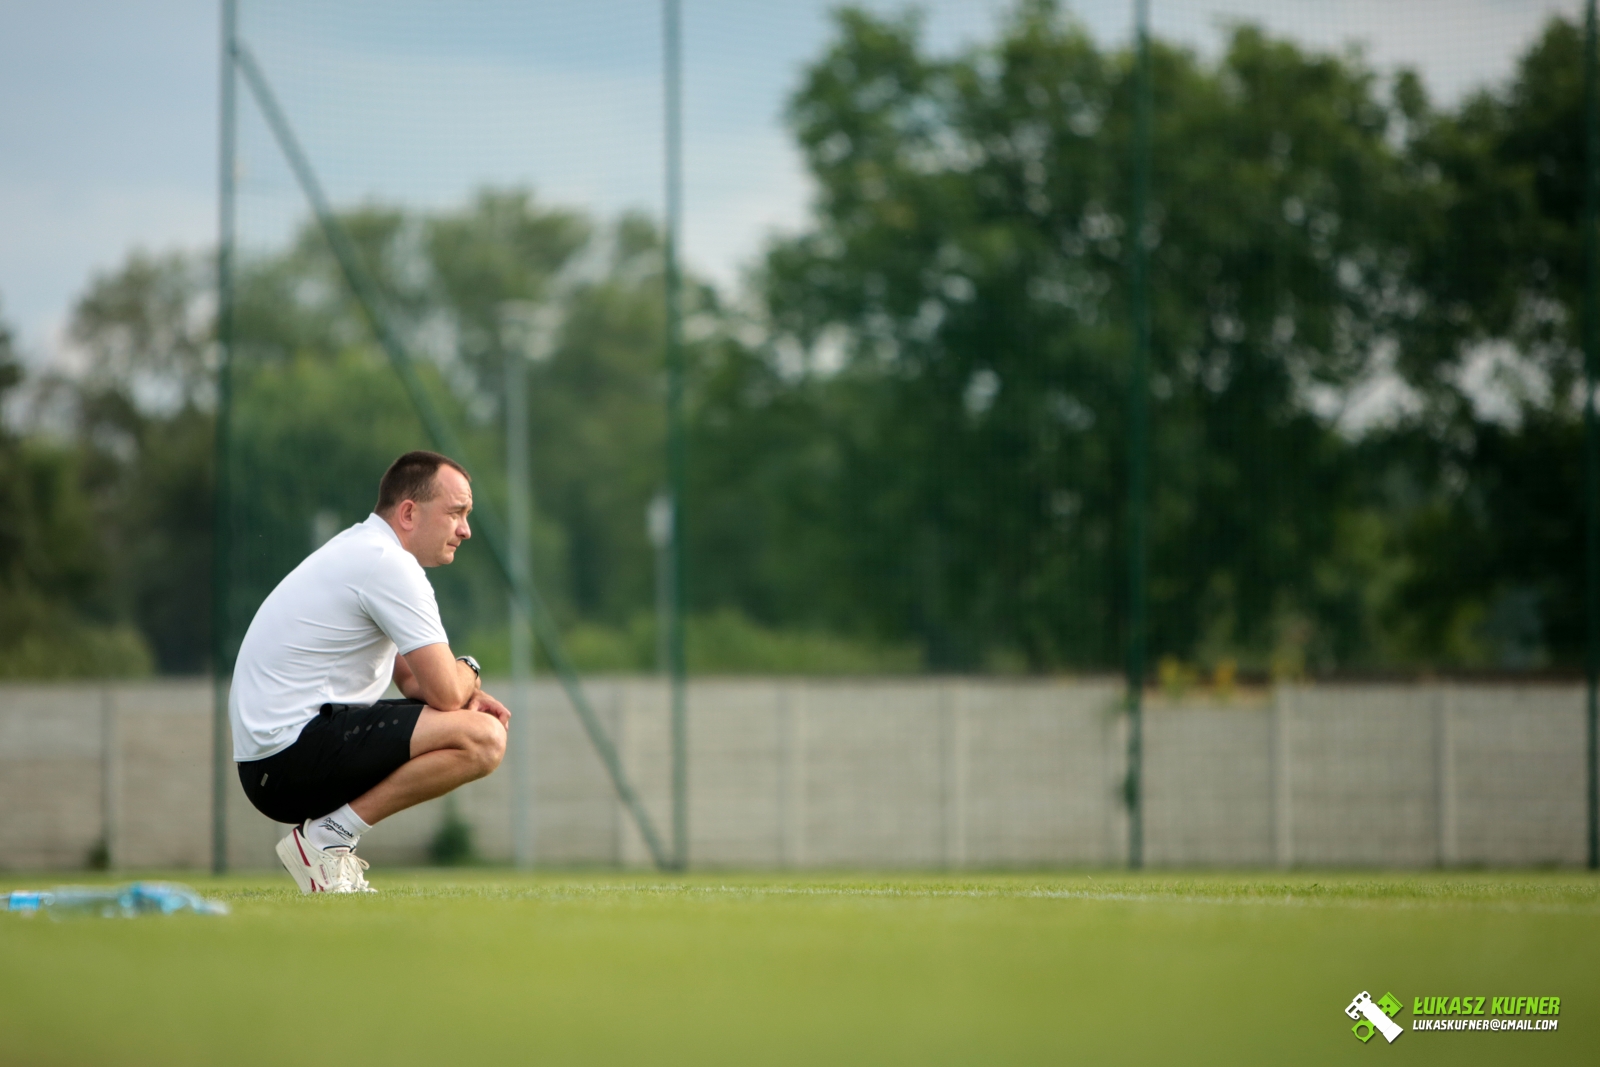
x=56 y=615
x=908 y=438
x=1319 y=232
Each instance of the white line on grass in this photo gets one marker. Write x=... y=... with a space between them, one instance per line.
x=1111 y=896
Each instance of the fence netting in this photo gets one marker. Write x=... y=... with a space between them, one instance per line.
x=908 y=325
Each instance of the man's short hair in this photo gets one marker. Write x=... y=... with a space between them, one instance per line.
x=411 y=478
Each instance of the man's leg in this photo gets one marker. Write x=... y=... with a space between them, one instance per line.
x=448 y=750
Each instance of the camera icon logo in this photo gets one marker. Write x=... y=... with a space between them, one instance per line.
x=1375 y=1017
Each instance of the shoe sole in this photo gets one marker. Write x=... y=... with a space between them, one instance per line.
x=296 y=865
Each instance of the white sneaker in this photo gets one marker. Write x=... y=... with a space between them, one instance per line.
x=322 y=870
x=350 y=868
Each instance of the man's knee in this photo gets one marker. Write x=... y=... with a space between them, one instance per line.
x=477 y=735
x=486 y=743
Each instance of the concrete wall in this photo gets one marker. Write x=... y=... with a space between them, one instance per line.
x=863 y=773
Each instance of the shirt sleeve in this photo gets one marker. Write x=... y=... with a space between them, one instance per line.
x=399 y=598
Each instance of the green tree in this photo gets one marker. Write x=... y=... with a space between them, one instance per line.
x=145 y=406
x=968 y=257
x=56 y=617
x=1484 y=481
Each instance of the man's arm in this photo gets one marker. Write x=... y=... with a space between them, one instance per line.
x=434 y=676
x=407 y=681
x=404 y=680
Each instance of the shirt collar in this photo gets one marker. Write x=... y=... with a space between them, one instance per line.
x=378 y=522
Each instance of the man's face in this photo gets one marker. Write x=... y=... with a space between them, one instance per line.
x=440 y=525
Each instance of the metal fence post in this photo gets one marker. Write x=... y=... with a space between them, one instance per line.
x=221 y=489
x=1591 y=436
x=673 y=61
x=1138 y=434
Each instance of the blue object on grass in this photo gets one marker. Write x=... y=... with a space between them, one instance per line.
x=140 y=898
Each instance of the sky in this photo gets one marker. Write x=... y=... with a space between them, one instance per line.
x=109 y=111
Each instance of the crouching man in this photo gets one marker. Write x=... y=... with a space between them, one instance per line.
x=315 y=745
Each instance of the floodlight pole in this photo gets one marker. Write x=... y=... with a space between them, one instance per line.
x=222 y=485
x=673 y=63
x=658 y=525
x=1591 y=434
x=1138 y=430
x=518 y=532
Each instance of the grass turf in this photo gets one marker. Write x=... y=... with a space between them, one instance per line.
x=490 y=967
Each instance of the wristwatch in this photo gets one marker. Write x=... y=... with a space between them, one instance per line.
x=469 y=661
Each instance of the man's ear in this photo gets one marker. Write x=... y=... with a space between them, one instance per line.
x=406 y=513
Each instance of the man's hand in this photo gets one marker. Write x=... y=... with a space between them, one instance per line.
x=487 y=704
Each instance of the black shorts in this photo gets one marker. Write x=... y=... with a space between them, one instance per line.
x=345 y=751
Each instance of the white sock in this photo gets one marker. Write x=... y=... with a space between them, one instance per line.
x=343 y=827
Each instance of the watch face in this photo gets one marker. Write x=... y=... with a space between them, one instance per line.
x=469 y=661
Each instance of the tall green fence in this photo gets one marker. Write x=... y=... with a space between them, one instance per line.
x=1208 y=344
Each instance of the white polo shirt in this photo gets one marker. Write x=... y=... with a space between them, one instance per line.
x=329 y=633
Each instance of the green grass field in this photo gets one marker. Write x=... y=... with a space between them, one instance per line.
x=479 y=966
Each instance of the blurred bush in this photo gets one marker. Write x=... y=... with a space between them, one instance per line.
x=452 y=844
